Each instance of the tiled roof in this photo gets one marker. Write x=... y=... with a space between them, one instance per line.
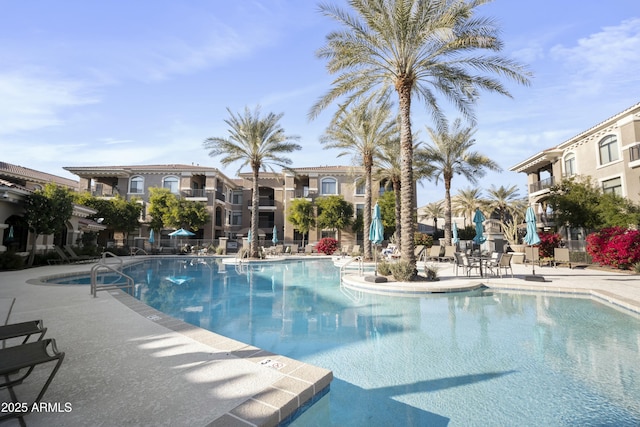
x=142 y=168
x=10 y=171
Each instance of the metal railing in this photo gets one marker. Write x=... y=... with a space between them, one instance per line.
x=542 y=184
x=99 y=270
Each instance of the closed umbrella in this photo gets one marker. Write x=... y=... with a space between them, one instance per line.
x=376 y=232
x=152 y=237
x=274 y=239
x=10 y=236
x=531 y=238
x=249 y=236
x=455 y=239
x=478 y=218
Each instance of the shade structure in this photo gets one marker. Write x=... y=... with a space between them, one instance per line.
x=181 y=233
x=478 y=219
x=455 y=239
x=376 y=230
x=274 y=239
x=531 y=238
x=152 y=237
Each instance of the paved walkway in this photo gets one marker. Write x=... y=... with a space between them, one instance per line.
x=127 y=364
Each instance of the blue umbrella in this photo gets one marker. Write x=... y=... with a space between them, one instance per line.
x=10 y=236
x=152 y=237
x=181 y=233
x=274 y=239
x=478 y=218
x=376 y=232
x=455 y=239
x=249 y=236
x=531 y=238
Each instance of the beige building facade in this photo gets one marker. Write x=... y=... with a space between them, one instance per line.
x=608 y=153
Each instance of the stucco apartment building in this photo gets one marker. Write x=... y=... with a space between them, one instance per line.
x=16 y=183
x=609 y=153
x=228 y=200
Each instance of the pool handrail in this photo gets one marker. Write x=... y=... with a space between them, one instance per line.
x=116 y=268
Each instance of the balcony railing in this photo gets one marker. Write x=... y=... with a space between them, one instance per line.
x=634 y=153
x=194 y=192
x=263 y=202
x=541 y=185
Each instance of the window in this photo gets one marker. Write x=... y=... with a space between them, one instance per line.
x=136 y=185
x=359 y=209
x=570 y=164
x=608 y=150
x=236 y=218
x=360 y=188
x=237 y=198
x=329 y=186
x=613 y=186
x=171 y=183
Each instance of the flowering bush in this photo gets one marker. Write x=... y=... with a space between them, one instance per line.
x=615 y=247
x=422 y=239
x=327 y=245
x=548 y=241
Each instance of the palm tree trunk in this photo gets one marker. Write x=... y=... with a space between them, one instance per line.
x=447 y=211
x=406 y=174
x=366 y=215
x=396 y=194
x=255 y=201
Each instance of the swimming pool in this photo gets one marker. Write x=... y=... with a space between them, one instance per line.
x=478 y=358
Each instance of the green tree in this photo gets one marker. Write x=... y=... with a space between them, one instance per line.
x=388 y=212
x=465 y=203
x=505 y=201
x=46 y=212
x=416 y=48
x=449 y=154
x=160 y=202
x=186 y=214
x=334 y=213
x=300 y=214
x=389 y=171
x=116 y=213
x=259 y=142
x=361 y=131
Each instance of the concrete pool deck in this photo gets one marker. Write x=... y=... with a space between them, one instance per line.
x=128 y=364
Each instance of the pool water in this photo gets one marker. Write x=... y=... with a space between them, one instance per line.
x=463 y=359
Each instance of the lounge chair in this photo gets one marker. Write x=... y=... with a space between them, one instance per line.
x=344 y=251
x=420 y=252
x=433 y=255
x=23 y=329
x=17 y=363
x=308 y=249
x=448 y=254
x=79 y=258
x=355 y=251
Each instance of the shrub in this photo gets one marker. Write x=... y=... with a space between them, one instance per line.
x=327 y=245
x=11 y=261
x=422 y=239
x=431 y=272
x=615 y=246
x=548 y=241
x=402 y=271
x=384 y=268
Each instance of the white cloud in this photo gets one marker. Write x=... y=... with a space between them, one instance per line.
x=28 y=103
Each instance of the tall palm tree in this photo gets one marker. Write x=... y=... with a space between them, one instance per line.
x=505 y=201
x=416 y=48
x=361 y=131
x=433 y=211
x=449 y=154
x=465 y=203
x=258 y=141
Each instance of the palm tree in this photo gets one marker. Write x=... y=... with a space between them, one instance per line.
x=448 y=154
x=505 y=201
x=433 y=211
x=259 y=142
x=465 y=203
x=415 y=48
x=361 y=131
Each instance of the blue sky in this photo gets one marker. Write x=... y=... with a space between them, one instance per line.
x=110 y=83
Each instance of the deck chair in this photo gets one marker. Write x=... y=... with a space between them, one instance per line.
x=23 y=329
x=420 y=252
x=78 y=258
x=17 y=363
x=355 y=251
x=505 y=263
x=345 y=250
x=434 y=253
x=448 y=254
x=63 y=258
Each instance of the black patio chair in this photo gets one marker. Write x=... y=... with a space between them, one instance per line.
x=23 y=329
x=17 y=363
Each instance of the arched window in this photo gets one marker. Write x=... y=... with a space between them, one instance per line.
x=136 y=185
x=171 y=183
x=608 y=149
x=329 y=186
x=570 y=164
x=360 y=187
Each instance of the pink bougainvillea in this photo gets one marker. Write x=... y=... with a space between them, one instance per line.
x=615 y=246
x=548 y=241
x=327 y=245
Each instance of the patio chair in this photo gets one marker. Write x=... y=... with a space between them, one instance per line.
x=308 y=249
x=448 y=254
x=79 y=258
x=355 y=251
x=505 y=263
x=17 y=363
x=23 y=329
x=463 y=261
x=62 y=257
x=433 y=255
x=344 y=251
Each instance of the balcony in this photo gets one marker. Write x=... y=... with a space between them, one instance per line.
x=634 y=153
x=542 y=185
x=194 y=193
